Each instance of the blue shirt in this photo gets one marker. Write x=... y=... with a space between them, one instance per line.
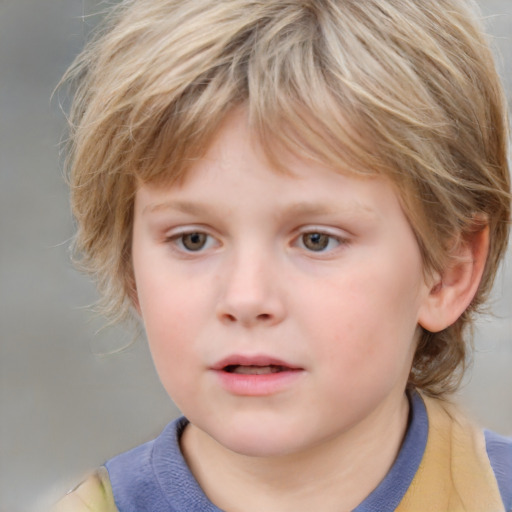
x=154 y=477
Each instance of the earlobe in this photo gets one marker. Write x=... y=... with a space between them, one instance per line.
x=452 y=292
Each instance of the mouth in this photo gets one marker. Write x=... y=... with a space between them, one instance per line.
x=256 y=369
x=254 y=365
x=257 y=375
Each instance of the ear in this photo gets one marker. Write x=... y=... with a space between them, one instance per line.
x=452 y=292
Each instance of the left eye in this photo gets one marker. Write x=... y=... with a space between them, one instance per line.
x=318 y=241
x=194 y=241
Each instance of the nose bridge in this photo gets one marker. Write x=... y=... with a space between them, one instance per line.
x=250 y=291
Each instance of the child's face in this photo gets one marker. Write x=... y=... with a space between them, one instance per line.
x=281 y=311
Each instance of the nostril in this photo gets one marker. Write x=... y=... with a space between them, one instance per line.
x=230 y=318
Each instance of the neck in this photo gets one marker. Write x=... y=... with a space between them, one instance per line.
x=335 y=475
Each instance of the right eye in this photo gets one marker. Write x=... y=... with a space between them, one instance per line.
x=318 y=241
x=194 y=241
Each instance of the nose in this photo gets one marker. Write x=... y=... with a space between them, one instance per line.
x=251 y=294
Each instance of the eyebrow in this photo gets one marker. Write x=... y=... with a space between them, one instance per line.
x=298 y=209
x=305 y=208
x=180 y=206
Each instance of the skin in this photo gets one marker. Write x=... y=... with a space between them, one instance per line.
x=343 y=310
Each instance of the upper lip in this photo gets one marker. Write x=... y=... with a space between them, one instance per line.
x=252 y=360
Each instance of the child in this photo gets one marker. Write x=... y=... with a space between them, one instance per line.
x=305 y=202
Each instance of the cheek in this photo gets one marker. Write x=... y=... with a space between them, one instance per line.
x=169 y=331
x=168 y=310
x=167 y=297
x=364 y=322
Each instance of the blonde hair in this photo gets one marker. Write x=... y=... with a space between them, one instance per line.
x=405 y=88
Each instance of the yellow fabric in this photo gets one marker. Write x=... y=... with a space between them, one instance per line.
x=93 y=495
x=455 y=474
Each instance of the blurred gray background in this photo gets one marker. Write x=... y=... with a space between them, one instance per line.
x=66 y=405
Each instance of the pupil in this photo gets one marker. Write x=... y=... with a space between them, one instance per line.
x=316 y=241
x=194 y=241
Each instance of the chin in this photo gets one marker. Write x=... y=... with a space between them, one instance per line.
x=260 y=447
x=263 y=440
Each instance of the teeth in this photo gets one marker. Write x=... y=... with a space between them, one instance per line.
x=254 y=370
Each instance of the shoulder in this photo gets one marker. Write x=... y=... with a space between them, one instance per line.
x=92 y=495
x=127 y=482
x=499 y=451
x=154 y=476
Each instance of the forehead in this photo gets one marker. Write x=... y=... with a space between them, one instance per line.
x=236 y=170
x=236 y=136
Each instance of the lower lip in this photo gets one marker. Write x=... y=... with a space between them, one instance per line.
x=258 y=385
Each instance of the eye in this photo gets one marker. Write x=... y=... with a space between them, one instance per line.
x=317 y=241
x=194 y=241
